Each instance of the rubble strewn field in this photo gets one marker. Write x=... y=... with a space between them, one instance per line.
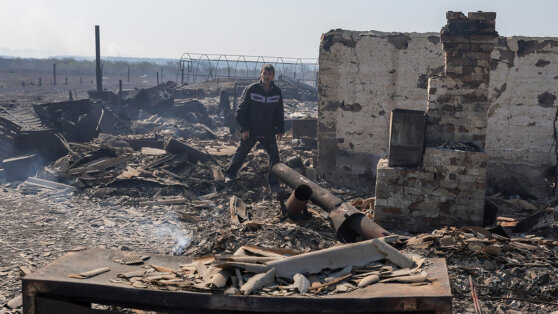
x=154 y=185
x=509 y=274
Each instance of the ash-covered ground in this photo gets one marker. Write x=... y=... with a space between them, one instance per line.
x=129 y=191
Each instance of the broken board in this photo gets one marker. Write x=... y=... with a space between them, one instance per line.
x=50 y=286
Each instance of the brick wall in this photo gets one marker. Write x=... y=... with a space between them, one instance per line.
x=449 y=187
x=365 y=75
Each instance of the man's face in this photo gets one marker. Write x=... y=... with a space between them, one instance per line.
x=266 y=76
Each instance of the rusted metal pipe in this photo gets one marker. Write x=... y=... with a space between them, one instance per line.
x=349 y=222
x=298 y=200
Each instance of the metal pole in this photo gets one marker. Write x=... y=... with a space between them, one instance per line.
x=162 y=75
x=182 y=76
x=54 y=73
x=119 y=91
x=157 y=78
x=98 y=60
x=128 y=73
x=234 y=98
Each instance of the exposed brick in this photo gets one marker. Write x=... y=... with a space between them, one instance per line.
x=450 y=187
x=391 y=210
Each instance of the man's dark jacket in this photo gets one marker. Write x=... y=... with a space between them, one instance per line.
x=261 y=111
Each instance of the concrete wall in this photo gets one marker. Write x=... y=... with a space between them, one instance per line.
x=365 y=75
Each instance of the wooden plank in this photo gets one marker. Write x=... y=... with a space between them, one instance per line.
x=100 y=166
x=48 y=183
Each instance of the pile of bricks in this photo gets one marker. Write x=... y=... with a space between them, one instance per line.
x=449 y=187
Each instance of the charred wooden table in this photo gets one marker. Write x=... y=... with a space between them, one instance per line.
x=49 y=290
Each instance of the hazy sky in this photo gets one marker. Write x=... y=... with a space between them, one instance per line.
x=290 y=28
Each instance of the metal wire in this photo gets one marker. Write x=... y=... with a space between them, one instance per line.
x=199 y=67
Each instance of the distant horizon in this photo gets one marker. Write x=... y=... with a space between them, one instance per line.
x=289 y=28
x=77 y=58
x=36 y=54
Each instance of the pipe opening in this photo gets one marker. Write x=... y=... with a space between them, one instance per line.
x=303 y=192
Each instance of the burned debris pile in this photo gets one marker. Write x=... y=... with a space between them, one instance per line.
x=158 y=151
x=508 y=271
x=156 y=148
x=254 y=270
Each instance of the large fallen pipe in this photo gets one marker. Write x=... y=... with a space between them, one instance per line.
x=349 y=222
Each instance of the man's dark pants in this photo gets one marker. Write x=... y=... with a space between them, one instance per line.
x=268 y=143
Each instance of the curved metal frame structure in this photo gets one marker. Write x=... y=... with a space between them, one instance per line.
x=199 y=67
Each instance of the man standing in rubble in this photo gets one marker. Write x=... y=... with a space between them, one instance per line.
x=261 y=119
